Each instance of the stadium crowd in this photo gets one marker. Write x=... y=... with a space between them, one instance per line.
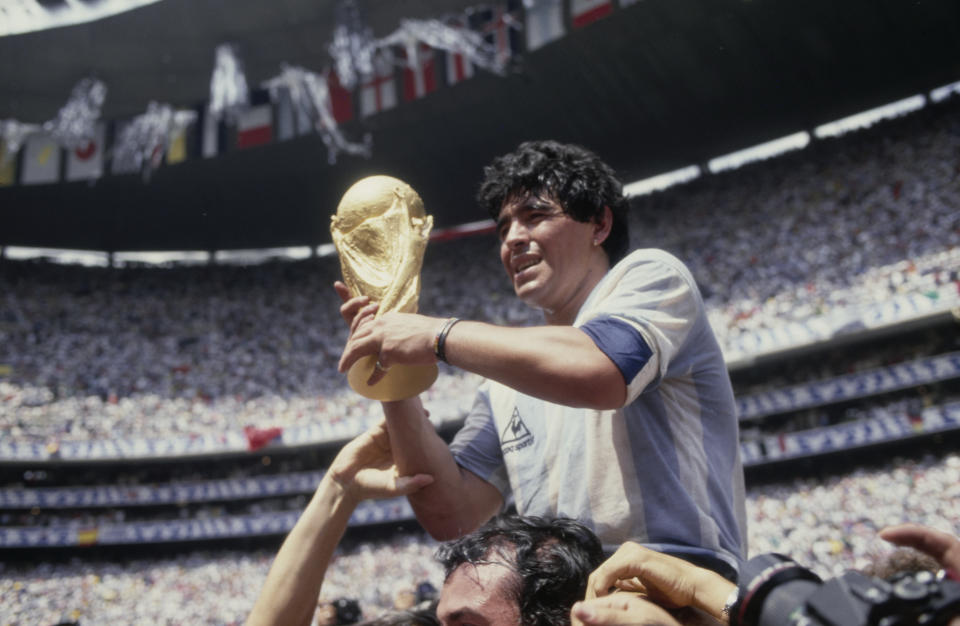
x=844 y=360
x=910 y=404
x=92 y=517
x=830 y=524
x=848 y=222
x=149 y=353
x=142 y=352
x=137 y=352
x=827 y=524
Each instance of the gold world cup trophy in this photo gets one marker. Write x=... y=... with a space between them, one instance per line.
x=381 y=231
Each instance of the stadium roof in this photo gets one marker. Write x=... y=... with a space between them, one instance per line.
x=659 y=85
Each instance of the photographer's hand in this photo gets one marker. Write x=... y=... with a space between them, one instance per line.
x=620 y=608
x=669 y=581
x=943 y=547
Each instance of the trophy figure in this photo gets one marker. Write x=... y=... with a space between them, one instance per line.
x=380 y=232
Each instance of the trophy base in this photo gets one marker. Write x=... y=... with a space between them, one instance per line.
x=399 y=383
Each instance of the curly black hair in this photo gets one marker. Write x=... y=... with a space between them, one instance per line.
x=570 y=174
x=552 y=560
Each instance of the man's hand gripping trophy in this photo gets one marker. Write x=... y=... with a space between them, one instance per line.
x=381 y=232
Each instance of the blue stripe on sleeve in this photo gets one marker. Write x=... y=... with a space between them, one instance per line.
x=621 y=342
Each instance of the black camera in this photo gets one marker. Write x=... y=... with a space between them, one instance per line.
x=348 y=610
x=776 y=591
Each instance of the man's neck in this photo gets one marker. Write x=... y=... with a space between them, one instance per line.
x=567 y=313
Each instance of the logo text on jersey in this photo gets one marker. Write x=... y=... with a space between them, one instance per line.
x=516 y=435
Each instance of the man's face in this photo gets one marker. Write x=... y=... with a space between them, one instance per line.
x=547 y=255
x=479 y=595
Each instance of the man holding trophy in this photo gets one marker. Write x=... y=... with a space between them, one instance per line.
x=617 y=411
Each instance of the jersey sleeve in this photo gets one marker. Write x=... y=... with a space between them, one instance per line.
x=621 y=342
x=476 y=446
x=641 y=317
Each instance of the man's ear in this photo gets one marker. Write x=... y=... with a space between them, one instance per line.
x=602 y=226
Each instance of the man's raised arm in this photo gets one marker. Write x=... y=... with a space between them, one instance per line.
x=559 y=364
x=458 y=501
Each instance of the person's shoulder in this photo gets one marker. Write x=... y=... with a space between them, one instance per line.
x=650 y=255
x=647 y=258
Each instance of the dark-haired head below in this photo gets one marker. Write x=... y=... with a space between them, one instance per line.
x=532 y=566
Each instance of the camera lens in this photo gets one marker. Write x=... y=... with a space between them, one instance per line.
x=775 y=586
x=910 y=590
x=785 y=600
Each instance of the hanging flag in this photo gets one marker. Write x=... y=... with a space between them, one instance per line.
x=419 y=73
x=177 y=149
x=260 y=437
x=255 y=126
x=500 y=27
x=544 y=23
x=86 y=161
x=379 y=92
x=304 y=118
x=41 y=160
x=118 y=165
x=286 y=118
x=583 y=12
x=213 y=133
x=212 y=130
x=341 y=100
x=187 y=143
x=8 y=169
x=455 y=67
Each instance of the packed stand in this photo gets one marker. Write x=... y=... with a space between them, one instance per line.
x=840 y=361
x=847 y=223
x=831 y=524
x=101 y=354
x=827 y=524
x=149 y=353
